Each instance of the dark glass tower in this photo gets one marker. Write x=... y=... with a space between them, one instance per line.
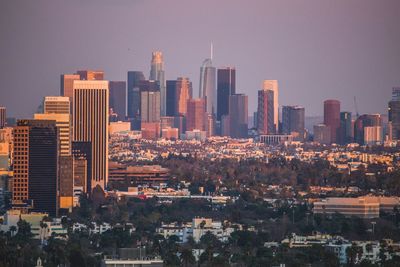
x=36 y=170
x=226 y=86
x=118 y=98
x=134 y=77
x=345 y=128
x=293 y=120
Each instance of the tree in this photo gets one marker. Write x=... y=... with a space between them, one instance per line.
x=187 y=257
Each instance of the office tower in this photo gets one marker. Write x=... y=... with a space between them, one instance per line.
x=82 y=154
x=66 y=182
x=373 y=135
x=238 y=116
x=134 y=77
x=150 y=130
x=6 y=148
x=396 y=93
x=90 y=124
x=157 y=74
x=210 y=124
x=36 y=166
x=195 y=114
x=345 y=128
x=56 y=105
x=265 y=112
x=207 y=85
x=150 y=106
x=394 y=114
x=293 y=121
x=2 y=117
x=226 y=86
x=366 y=120
x=91 y=75
x=322 y=134
x=67 y=82
x=273 y=85
x=118 y=98
x=171 y=98
x=255 y=119
x=63 y=124
x=178 y=93
x=332 y=118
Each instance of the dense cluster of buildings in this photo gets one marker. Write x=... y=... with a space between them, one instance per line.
x=47 y=162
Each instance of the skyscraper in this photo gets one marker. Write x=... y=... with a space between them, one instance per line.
x=226 y=86
x=157 y=73
x=293 y=121
x=366 y=120
x=394 y=113
x=91 y=75
x=150 y=106
x=3 y=117
x=63 y=124
x=66 y=87
x=195 y=114
x=90 y=124
x=134 y=77
x=238 y=116
x=332 y=118
x=36 y=166
x=118 y=98
x=345 y=128
x=273 y=85
x=178 y=93
x=265 y=112
x=57 y=105
x=207 y=85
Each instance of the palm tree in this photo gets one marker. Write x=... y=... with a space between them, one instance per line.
x=187 y=257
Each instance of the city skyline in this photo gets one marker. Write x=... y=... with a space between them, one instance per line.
x=351 y=53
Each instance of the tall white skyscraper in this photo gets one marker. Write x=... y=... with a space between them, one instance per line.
x=157 y=73
x=90 y=124
x=207 y=85
x=273 y=85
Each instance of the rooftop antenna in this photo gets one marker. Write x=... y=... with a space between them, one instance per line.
x=211 y=51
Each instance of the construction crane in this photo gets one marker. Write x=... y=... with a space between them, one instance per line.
x=355 y=107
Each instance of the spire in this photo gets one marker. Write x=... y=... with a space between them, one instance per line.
x=211 y=51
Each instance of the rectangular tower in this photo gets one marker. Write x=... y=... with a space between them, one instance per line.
x=90 y=124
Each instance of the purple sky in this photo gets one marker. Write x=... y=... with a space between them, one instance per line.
x=317 y=49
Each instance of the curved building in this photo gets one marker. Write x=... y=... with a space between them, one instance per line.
x=207 y=85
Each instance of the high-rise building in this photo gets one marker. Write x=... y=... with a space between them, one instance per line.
x=195 y=114
x=90 y=124
x=57 y=105
x=265 y=112
x=345 y=128
x=91 y=75
x=273 y=85
x=394 y=114
x=157 y=73
x=366 y=120
x=3 y=117
x=63 y=124
x=150 y=106
x=373 y=135
x=322 y=134
x=293 y=121
x=82 y=154
x=178 y=93
x=35 y=184
x=332 y=118
x=238 y=115
x=66 y=182
x=118 y=98
x=207 y=85
x=226 y=86
x=67 y=82
x=134 y=77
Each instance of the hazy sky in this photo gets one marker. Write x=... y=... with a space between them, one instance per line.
x=317 y=49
